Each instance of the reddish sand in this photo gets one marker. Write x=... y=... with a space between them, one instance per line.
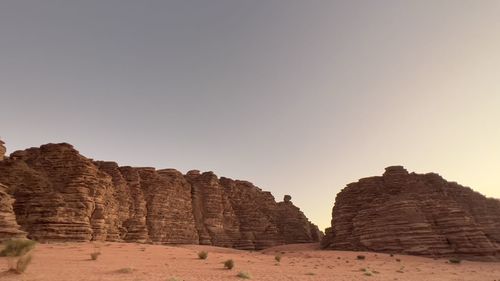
x=71 y=261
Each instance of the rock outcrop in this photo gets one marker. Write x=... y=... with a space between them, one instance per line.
x=8 y=226
x=418 y=214
x=64 y=196
x=291 y=224
x=2 y=150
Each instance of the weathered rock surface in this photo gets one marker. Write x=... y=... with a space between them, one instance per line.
x=60 y=195
x=256 y=211
x=292 y=226
x=3 y=149
x=64 y=196
x=418 y=214
x=8 y=226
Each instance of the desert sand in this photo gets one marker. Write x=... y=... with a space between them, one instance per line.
x=137 y=262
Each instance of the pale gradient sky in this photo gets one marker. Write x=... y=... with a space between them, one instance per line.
x=299 y=97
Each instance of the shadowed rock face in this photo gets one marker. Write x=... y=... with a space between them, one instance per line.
x=64 y=196
x=419 y=214
x=291 y=224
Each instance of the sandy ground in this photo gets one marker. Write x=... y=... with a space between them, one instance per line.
x=141 y=262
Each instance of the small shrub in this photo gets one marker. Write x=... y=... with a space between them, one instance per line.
x=243 y=275
x=16 y=251
x=95 y=255
x=361 y=257
x=202 y=255
x=277 y=258
x=398 y=260
x=455 y=260
x=125 y=270
x=22 y=263
x=311 y=273
x=368 y=273
x=17 y=247
x=392 y=255
x=229 y=264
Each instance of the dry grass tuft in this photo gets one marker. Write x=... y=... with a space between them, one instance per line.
x=229 y=264
x=202 y=255
x=94 y=255
x=17 y=253
x=125 y=270
x=243 y=275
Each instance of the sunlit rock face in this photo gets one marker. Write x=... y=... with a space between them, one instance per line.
x=8 y=226
x=2 y=150
x=418 y=214
x=64 y=196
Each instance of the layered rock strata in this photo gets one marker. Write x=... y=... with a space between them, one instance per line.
x=8 y=226
x=418 y=214
x=291 y=224
x=3 y=149
x=64 y=196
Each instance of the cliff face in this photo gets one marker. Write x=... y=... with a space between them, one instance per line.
x=420 y=214
x=2 y=150
x=291 y=224
x=8 y=225
x=64 y=196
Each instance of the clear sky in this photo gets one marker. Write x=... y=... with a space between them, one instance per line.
x=298 y=97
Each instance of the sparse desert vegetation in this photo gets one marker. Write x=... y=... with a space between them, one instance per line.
x=126 y=261
x=22 y=263
x=202 y=255
x=229 y=264
x=94 y=255
x=125 y=270
x=243 y=275
x=17 y=252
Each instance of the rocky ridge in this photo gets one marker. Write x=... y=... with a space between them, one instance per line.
x=418 y=214
x=61 y=195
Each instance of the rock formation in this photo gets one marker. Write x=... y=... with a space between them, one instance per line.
x=418 y=214
x=291 y=224
x=2 y=150
x=8 y=226
x=64 y=196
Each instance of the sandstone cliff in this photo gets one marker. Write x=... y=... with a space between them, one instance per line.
x=2 y=150
x=291 y=224
x=419 y=214
x=8 y=225
x=64 y=196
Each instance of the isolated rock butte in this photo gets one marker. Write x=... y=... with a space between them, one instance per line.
x=418 y=214
x=64 y=196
